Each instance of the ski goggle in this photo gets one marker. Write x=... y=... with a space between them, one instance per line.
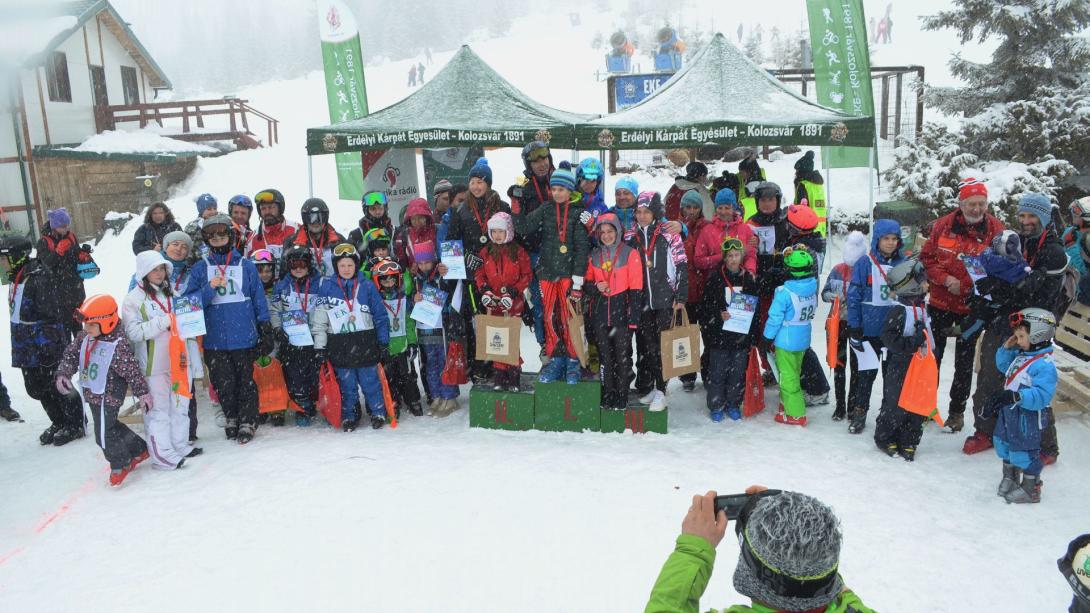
x=732 y=244
x=591 y=173
x=345 y=249
x=266 y=198
x=262 y=256
x=298 y=264
x=537 y=154
x=374 y=199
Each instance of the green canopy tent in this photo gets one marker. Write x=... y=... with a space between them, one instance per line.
x=467 y=103
x=721 y=98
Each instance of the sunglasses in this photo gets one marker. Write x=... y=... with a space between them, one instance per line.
x=538 y=154
x=374 y=199
x=344 y=249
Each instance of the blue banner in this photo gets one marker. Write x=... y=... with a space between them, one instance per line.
x=632 y=89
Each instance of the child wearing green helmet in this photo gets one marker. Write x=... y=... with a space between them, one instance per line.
x=787 y=328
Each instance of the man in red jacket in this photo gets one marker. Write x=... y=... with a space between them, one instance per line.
x=274 y=230
x=966 y=231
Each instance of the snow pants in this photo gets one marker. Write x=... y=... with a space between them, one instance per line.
x=63 y=411
x=554 y=294
x=1028 y=461
x=845 y=359
x=537 y=307
x=119 y=444
x=5 y=399
x=301 y=376
x=964 y=355
x=167 y=424
x=726 y=382
x=402 y=379
x=863 y=381
x=193 y=411
x=895 y=425
x=433 y=352
x=649 y=349
x=351 y=380
x=232 y=376
x=814 y=381
x=614 y=362
x=790 y=365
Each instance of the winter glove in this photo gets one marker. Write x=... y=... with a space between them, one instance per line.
x=506 y=303
x=146 y=402
x=63 y=385
x=488 y=299
x=473 y=263
x=265 y=338
x=585 y=217
x=1008 y=397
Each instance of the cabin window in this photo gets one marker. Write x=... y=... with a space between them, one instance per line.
x=130 y=84
x=56 y=69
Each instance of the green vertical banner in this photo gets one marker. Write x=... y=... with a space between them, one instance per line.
x=345 y=89
x=838 y=39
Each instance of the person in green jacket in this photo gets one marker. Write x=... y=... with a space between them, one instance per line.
x=789 y=559
x=395 y=286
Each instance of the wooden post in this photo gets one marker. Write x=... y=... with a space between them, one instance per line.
x=185 y=119
x=884 y=128
x=919 y=101
x=200 y=117
x=897 y=108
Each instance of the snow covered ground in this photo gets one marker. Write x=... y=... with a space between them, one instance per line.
x=436 y=516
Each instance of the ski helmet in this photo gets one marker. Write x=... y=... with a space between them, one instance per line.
x=801 y=219
x=298 y=253
x=1041 y=324
x=375 y=238
x=345 y=249
x=16 y=248
x=240 y=200
x=1007 y=244
x=102 y=310
x=263 y=257
x=534 y=151
x=314 y=210
x=798 y=261
x=766 y=189
x=907 y=278
x=1080 y=211
x=270 y=195
x=384 y=268
x=374 y=198
x=589 y=169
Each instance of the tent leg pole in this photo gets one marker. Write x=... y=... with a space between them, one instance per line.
x=310 y=177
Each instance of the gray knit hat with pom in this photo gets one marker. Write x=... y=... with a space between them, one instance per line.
x=790 y=537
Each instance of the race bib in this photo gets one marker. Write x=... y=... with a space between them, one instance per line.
x=231 y=290
x=96 y=367
x=766 y=239
x=395 y=309
x=880 y=293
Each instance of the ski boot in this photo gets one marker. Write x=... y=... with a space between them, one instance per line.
x=416 y=409
x=1012 y=476
x=277 y=419
x=117 y=476
x=245 y=433
x=1029 y=492
x=839 y=413
x=955 y=422
x=349 y=425
x=66 y=435
x=195 y=452
x=514 y=381
x=46 y=437
x=575 y=372
x=377 y=422
x=890 y=449
x=302 y=420
x=786 y=419
x=688 y=386
x=908 y=453
x=734 y=413
x=180 y=464
x=1048 y=458
x=138 y=459
x=813 y=400
x=554 y=370
x=859 y=421
x=976 y=443
x=717 y=415
x=10 y=414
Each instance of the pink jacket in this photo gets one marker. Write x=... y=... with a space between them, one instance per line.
x=709 y=246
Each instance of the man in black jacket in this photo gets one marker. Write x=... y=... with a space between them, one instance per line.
x=530 y=191
x=158 y=222
x=1045 y=254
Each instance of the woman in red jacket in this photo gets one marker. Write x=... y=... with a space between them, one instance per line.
x=418 y=228
x=503 y=281
x=614 y=286
x=728 y=222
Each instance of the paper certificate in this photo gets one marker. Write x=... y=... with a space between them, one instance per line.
x=452 y=255
x=741 y=308
x=429 y=311
x=189 y=314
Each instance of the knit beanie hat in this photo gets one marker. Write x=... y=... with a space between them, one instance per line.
x=695 y=170
x=441 y=186
x=629 y=184
x=795 y=537
x=501 y=221
x=176 y=236
x=805 y=164
x=855 y=247
x=726 y=196
x=652 y=201
x=692 y=198
x=970 y=187
x=424 y=252
x=205 y=202
x=563 y=177
x=59 y=218
x=1037 y=204
x=482 y=171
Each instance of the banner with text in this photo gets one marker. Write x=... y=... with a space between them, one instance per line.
x=838 y=39
x=392 y=171
x=346 y=91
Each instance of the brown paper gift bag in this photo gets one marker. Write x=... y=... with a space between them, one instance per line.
x=578 y=334
x=680 y=346
x=498 y=338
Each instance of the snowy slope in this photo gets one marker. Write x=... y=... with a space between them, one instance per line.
x=436 y=516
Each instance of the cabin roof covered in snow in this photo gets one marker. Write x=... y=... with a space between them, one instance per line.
x=29 y=32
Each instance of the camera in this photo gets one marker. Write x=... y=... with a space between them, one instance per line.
x=734 y=503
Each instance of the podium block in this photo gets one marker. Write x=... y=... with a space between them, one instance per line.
x=636 y=419
x=560 y=407
x=503 y=410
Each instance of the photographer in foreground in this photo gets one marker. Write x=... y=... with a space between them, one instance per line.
x=790 y=552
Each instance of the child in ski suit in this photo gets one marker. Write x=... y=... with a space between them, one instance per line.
x=769 y=225
x=869 y=301
x=1024 y=405
x=836 y=286
x=432 y=341
x=146 y=313
x=897 y=431
x=394 y=287
x=292 y=310
x=107 y=370
x=1004 y=266
x=615 y=302
x=560 y=269
x=352 y=331
x=503 y=281
x=790 y=317
x=728 y=351
x=666 y=285
x=802 y=223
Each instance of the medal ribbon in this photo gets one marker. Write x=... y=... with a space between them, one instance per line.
x=306 y=293
x=351 y=308
x=647 y=253
x=562 y=225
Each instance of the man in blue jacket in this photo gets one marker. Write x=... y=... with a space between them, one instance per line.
x=236 y=318
x=869 y=301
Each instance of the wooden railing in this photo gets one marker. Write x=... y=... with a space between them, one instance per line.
x=193 y=112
